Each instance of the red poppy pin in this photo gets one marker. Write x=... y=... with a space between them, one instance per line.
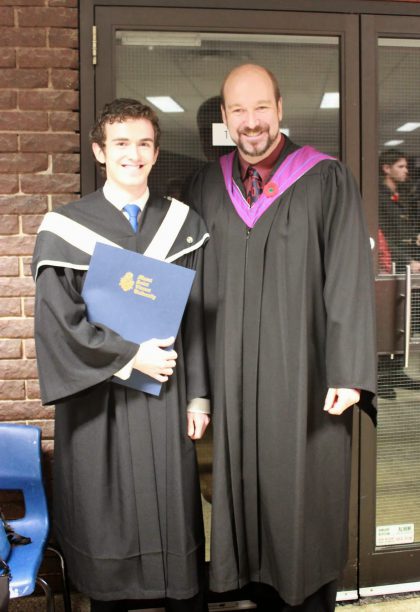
x=271 y=190
x=395 y=197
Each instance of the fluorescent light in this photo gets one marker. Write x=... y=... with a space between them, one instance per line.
x=165 y=103
x=330 y=99
x=158 y=39
x=408 y=127
x=285 y=131
x=393 y=143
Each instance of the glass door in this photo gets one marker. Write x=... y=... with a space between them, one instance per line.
x=390 y=508
x=176 y=59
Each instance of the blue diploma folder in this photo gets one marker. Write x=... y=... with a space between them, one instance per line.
x=138 y=297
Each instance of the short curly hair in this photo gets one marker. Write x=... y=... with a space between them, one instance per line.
x=122 y=109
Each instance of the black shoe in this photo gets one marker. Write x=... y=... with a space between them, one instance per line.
x=387 y=393
x=404 y=381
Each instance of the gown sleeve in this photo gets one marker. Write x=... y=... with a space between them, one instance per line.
x=193 y=334
x=72 y=354
x=348 y=288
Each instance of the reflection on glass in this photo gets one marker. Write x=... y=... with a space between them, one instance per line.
x=398 y=435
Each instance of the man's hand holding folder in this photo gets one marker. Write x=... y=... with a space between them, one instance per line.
x=152 y=358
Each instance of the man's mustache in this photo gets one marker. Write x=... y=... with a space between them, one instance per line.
x=252 y=132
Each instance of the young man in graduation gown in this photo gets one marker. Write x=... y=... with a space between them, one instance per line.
x=127 y=509
x=288 y=298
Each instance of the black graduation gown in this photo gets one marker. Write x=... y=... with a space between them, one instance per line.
x=289 y=310
x=127 y=508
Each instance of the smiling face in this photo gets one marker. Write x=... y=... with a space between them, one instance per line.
x=129 y=154
x=251 y=112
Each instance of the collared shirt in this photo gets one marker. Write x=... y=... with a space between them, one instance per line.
x=264 y=167
x=116 y=198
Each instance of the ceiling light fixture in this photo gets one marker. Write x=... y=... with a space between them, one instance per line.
x=408 y=127
x=330 y=99
x=393 y=143
x=166 y=104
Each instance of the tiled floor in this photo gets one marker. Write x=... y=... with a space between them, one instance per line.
x=408 y=603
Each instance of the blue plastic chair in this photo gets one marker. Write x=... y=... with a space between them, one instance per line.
x=20 y=469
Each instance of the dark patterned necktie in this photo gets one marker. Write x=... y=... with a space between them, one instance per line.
x=255 y=188
x=132 y=211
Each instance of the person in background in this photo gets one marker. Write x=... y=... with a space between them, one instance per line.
x=399 y=229
x=398 y=219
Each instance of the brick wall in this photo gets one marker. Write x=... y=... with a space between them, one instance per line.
x=39 y=168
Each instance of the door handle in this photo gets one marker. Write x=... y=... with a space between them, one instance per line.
x=407 y=316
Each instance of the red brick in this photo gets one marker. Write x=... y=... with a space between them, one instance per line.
x=9 y=183
x=7 y=60
x=50 y=143
x=9 y=224
x=50 y=183
x=53 y=17
x=47 y=58
x=29 y=310
x=28 y=121
x=48 y=100
x=32 y=389
x=17 y=245
x=8 y=142
x=11 y=349
x=65 y=79
x=23 y=78
x=47 y=427
x=11 y=369
x=7 y=17
x=8 y=99
x=21 y=410
x=29 y=348
x=12 y=286
x=74 y=2
x=9 y=266
x=27 y=268
x=24 y=162
x=66 y=163
x=27 y=271
x=16 y=328
x=63 y=37
x=22 y=2
x=28 y=204
x=30 y=223
x=64 y=121
x=10 y=307
x=12 y=389
x=23 y=37
x=63 y=198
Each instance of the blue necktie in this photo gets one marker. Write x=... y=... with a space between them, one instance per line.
x=132 y=210
x=255 y=189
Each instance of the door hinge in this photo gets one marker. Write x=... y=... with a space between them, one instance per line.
x=94 y=46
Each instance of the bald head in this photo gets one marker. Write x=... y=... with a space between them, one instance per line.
x=249 y=70
x=252 y=111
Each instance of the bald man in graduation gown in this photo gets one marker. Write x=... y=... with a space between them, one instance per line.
x=290 y=328
x=127 y=506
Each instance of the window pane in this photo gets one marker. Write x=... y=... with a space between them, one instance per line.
x=398 y=450
x=188 y=68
